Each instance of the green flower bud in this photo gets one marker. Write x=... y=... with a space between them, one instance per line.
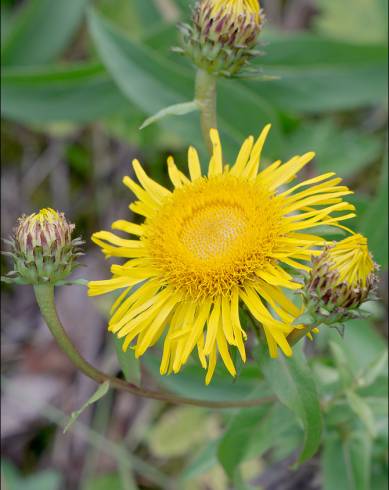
x=223 y=35
x=341 y=279
x=42 y=248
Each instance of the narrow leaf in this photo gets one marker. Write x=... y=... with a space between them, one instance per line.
x=363 y=411
x=292 y=381
x=346 y=461
x=99 y=393
x=235 y=442
x=342 y=364
x=73 y=282
x=374 y=370
x=173 y=110
x=41 y=31
x=59 y=94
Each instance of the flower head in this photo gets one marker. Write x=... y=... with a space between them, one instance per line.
x=341 y=278
x=223 y=35
x=43 y=249
x=212 y=243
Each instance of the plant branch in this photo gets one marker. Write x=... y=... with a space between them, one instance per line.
x=205 y=95
x=44 y=294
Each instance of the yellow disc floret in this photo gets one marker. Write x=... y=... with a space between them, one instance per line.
x=214 y=234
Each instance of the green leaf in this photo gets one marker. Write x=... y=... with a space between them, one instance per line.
x=173 y=110
x=236 y=440
x=44 y=95
x=374 y=370
x=143 y=77
x=345 y=76
x=275 y=432
x=147 y=12
x=341 y=363
x=346 y=462
x=362 y=344
x=41 y=31
x=292 y=381
x=189 y=426
x=73 y=282
x=202 y=462
x=128 y=362
x=362 y=410
x=350 y=151
x=99 y=393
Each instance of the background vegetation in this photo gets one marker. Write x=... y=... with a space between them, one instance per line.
x=78 y=79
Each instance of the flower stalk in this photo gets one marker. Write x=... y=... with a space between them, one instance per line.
x=44 y=294
x=205 y=95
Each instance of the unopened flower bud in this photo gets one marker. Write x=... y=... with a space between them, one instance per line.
x=341 y=279
x=223 y=35
x=42 y=248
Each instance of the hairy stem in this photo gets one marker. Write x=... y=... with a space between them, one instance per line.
x=205 y=95
x=45 y=298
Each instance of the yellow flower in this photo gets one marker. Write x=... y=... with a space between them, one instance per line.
x=341 y=279
x=214 y=242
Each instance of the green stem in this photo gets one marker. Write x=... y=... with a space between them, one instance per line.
x=44 y=294
x=205 y=95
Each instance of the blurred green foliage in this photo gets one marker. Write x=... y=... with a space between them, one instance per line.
x=71 y=63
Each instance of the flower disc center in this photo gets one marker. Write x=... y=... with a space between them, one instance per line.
x=212 y=231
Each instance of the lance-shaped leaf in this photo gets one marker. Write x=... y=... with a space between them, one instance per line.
x=292 y=381
x=173 y=110
x=97 y=395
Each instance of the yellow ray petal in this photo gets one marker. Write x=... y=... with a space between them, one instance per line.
x=239 y=333
x=242 y=157
x=216 y=163
x=226 y=319
x=211 y=365
x=194 y=164
x=157 y=191
x=252 y=166
x=289 y=170
x=213 y=325
x=175 y=175
x=156 y=325
x=128 y=227
x=224 y=352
